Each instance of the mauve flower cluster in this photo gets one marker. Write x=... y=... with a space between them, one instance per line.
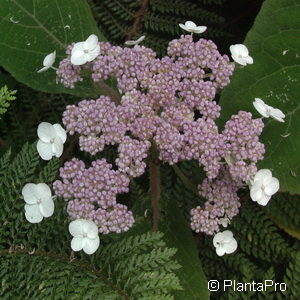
x=241 y=139
x=68 y=74
x=222 y=201
x=91 y=194
x=167 y=105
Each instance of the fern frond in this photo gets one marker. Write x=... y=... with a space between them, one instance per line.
x=292 y=276
x=258 y=235
x=160 y=21
x=49 y=171
x=21 y=169
x=285 y=209
x=26 y=276
x=6 y=96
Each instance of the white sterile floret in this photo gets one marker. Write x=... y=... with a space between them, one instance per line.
x=51 y=140
x=240 y=54
x=39 y=202
x=48 y=62
x=268 y=111
x=224 y=242
x=135 y=42
x=224 y=221
x=85 y=236
x=86 y=51
x=263 y=186
x=192 y=27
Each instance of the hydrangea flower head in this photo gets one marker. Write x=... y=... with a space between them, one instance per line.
x=263 y=186
x=85 y=236
x=224 y=242
x=240 y=54
x=39 y=202
x=51 y=140
x=86 y=51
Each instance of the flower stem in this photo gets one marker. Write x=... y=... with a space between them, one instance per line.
x=187 y=183
x=207 y=75
x=154 y=169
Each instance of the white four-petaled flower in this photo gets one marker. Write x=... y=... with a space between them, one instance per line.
x=85 y=236
x=240 y=54
x=48 y=62
x=52 y=139
x=224 y=242
x=136 y=42
x=263 y=186
x=268 y=111
x=39 y=202
x=192 y=27
x=86 y=51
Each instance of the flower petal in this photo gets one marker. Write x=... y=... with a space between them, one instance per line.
x=47 y=207
x=239 y=60
x=239 y=50
x=231 y=246
x=220 y=251
x=76 y=227
x=77 y=243
x=271 y=186
x=277 y=114
x=43 y=190
x=217 y=239
x=249 y=60
x=32 y=213
x=227 y=235
x=29 y=193
x=183 y=27
x=91 y=42
x=90 y=228
x=49 y=59
x=264 y=199
x=262 y=174
x=261 y=107
x=91 y=245
x=256 y=191
x=44 y=150
x=46 y=132
x=190 y=25
x=78 y=58
x=60 y=132
x=200 y=29
x=93 y=53
x=78 y=47
x=57 y=147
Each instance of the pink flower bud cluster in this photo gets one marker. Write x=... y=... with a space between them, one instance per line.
x=222 y=201
x=241 y=138
x=167 y=105
x=68 y=74
x=91 y=194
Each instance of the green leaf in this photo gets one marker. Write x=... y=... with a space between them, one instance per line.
x=178 y=234
x=31 y=29
x=274 y=44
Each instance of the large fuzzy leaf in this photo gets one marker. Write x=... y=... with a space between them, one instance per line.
x=274 y=44
x=31 y=29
